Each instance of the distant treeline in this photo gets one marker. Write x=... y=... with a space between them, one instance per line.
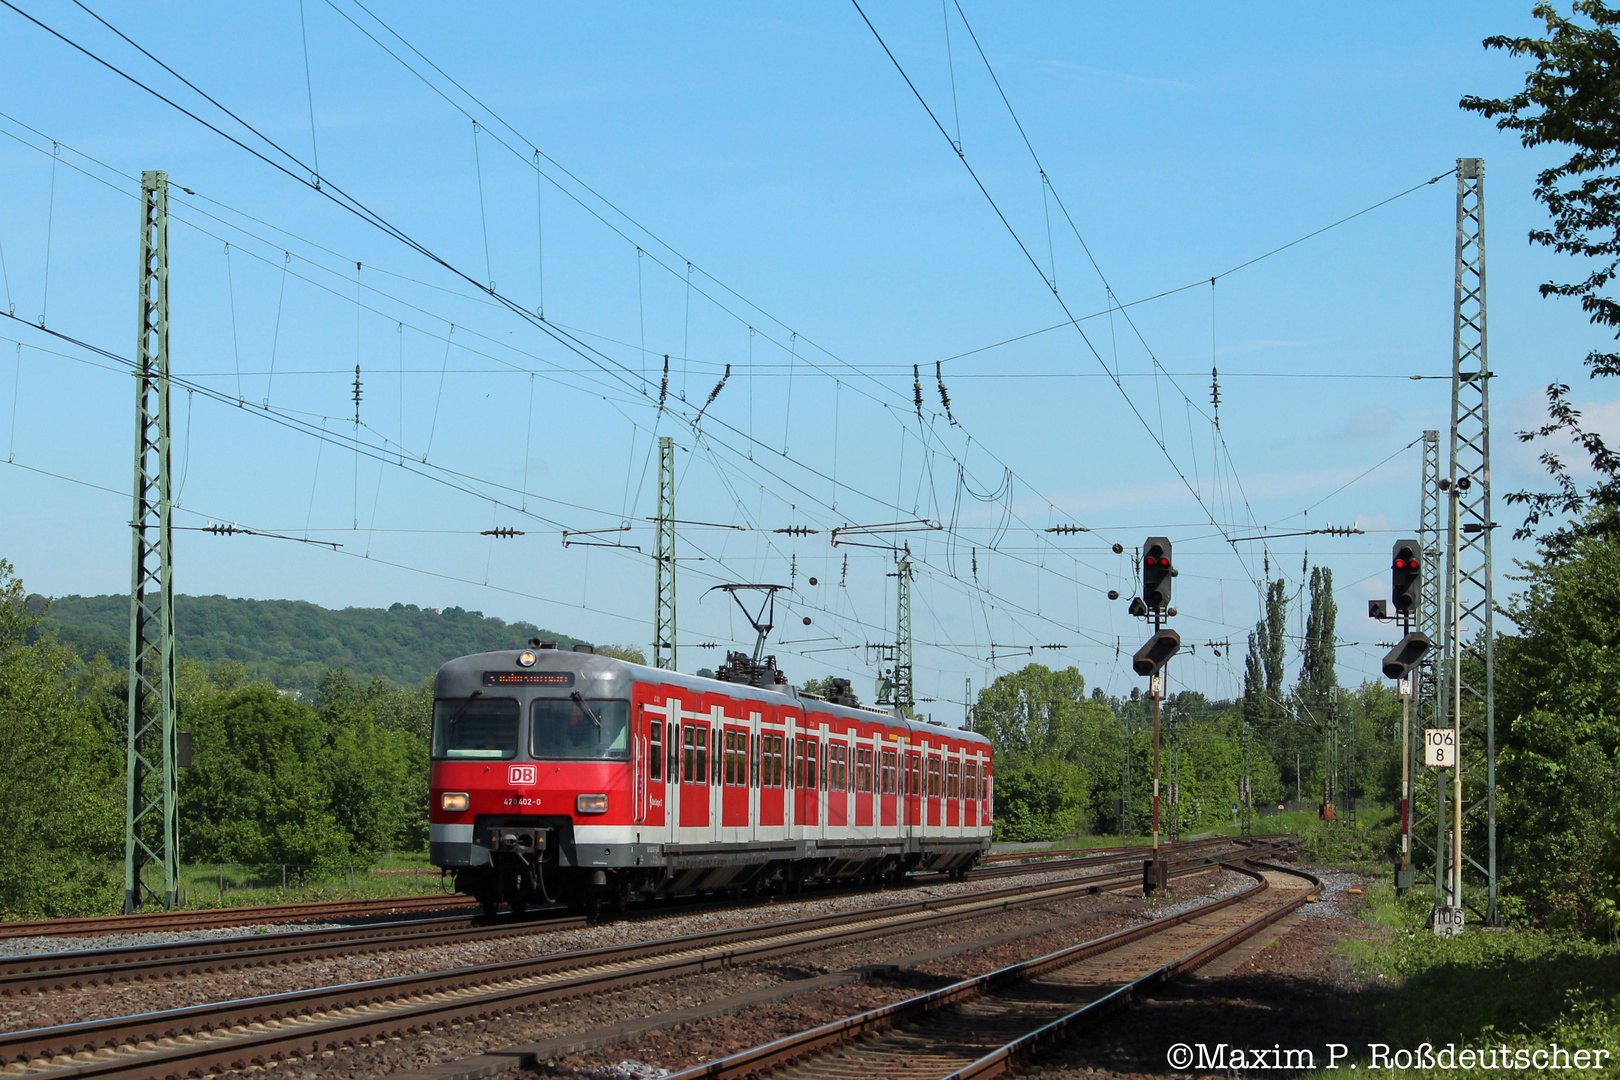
x=291 y=643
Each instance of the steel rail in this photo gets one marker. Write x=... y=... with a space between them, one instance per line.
x=41 y=972
x=238 y=916
x=1021 y=1050
x=206 y=918
x=763 y=1058
x=237 y=1034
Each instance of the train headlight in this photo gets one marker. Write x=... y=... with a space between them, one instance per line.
x=526 y=659
x=454 y=801
x=591 y=804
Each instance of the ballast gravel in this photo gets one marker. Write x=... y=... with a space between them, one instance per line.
x=1102 y=914
x=69 y=1006
x=714 y=1037
x=34 y=946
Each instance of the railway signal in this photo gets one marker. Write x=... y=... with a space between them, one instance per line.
x=1405 y=571
x=1159 y=648
x=1399 y=661
x=1156 y=573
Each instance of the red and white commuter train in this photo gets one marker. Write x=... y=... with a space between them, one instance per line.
x=570 y=777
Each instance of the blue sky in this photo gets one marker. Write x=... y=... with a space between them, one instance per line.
x=835 y=241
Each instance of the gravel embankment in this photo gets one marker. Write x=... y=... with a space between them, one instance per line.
x=122 y=999
x=703 y=1039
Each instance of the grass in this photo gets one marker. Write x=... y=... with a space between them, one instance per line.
x=1489 y=988
x=205 y=886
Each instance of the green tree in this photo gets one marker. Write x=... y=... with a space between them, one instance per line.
x=1318 y=673
x=1058 y=751
x=1264 y=665
x=60 y=778
x=630 y=653
x=1571 y=99
x=1558 y=732
x=258 y=791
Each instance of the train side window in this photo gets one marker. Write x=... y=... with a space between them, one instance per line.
x=970 y=780
x=825 y=747
x=753 y=766
x=701 y=774
x=688 y=753
x=840 y=765
x=889 y=764
x=933 y=777
x=793 y=752
x=810 y=764
x=953 y=779
x=672 y=763
x=777 y=742
x=730 y=757
x=863 y=770
x=655 y=749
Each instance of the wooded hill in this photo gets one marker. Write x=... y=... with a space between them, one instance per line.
x=293 y=643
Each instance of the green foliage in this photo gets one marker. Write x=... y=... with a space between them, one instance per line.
x=59 y=777
x=1558 y=736
x=292 y=643
x=629 y=653
x=1521 y=988
x=276 y=780
x=1317 y=669
x=1367 y=841
x=1056 y=751
x=1571 y=98
x=1263 y=668
x=1039 y=800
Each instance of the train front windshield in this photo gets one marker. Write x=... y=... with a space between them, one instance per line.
x=475 y=728
x=568 y=730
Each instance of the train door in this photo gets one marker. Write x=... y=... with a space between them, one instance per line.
x=911 y=788
x=772 y=749
x=734 y=776
x=638 y=765
x=889 y=787
x=935 y=766
x=971 y=794
x=805 y=790
x=694 y=773
x=863 y=786
x=651 y=796
x=837 y=784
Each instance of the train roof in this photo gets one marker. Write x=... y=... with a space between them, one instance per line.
x=465 y=674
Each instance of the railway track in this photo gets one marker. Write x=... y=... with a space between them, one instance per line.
x=41 y=972
x=237 y=1034
x=986 y=1026
x=209 y=918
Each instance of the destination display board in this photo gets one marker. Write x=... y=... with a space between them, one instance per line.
x=528 y=678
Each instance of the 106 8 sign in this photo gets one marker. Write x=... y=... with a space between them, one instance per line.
x=1440 y=748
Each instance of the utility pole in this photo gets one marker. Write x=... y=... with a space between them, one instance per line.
x=1173 y=824
x=1470 y=702
x=1245 y=782
x=151 y=834
x=1426 y=803
x=903 y=693
x=1330 y=758
x=664 y=559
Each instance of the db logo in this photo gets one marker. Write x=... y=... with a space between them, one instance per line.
x=523 y=774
